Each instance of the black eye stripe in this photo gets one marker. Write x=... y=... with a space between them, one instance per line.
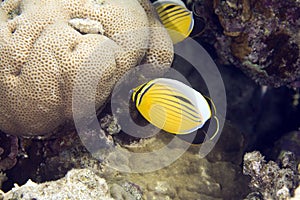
x=137 y=92
x=145 y=92
x=167 y=7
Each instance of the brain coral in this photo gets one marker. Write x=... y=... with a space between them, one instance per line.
x=44 y=44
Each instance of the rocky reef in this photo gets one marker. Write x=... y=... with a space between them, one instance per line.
x=290 y=142
x=271 y=180
x=188 y=177
x=8 y=151
x=77 y=184
x=259 y=37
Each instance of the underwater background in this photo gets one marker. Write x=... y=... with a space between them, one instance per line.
x=255 y=46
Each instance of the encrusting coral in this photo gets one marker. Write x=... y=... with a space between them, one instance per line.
x=264 y=38
x=269 y=180
x=48 y=46
x=261 y=37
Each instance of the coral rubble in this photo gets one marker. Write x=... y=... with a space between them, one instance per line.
x=270 y=180
x=77 y=184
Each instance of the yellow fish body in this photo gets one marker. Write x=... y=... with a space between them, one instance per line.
x=171 y=105
x=176 y=18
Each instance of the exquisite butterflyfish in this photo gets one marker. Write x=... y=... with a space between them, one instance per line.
x=176 y=18
x=171 y=106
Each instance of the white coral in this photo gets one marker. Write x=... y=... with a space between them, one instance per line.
x=87 y=25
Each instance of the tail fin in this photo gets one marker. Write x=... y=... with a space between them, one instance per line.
x=214 y=116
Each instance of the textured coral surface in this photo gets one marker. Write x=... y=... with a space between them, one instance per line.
x=264 y=38
x=48 y=46
x=261 y=37
x=77 y=184
x=270 y=180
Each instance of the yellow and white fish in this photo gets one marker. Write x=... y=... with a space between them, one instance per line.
x=176 y=18
x=171 y=106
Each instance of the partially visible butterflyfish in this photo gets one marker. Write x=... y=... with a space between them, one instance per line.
x=172 y=106
x=176 y=18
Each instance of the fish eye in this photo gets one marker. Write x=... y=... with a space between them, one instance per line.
x=130 y=92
